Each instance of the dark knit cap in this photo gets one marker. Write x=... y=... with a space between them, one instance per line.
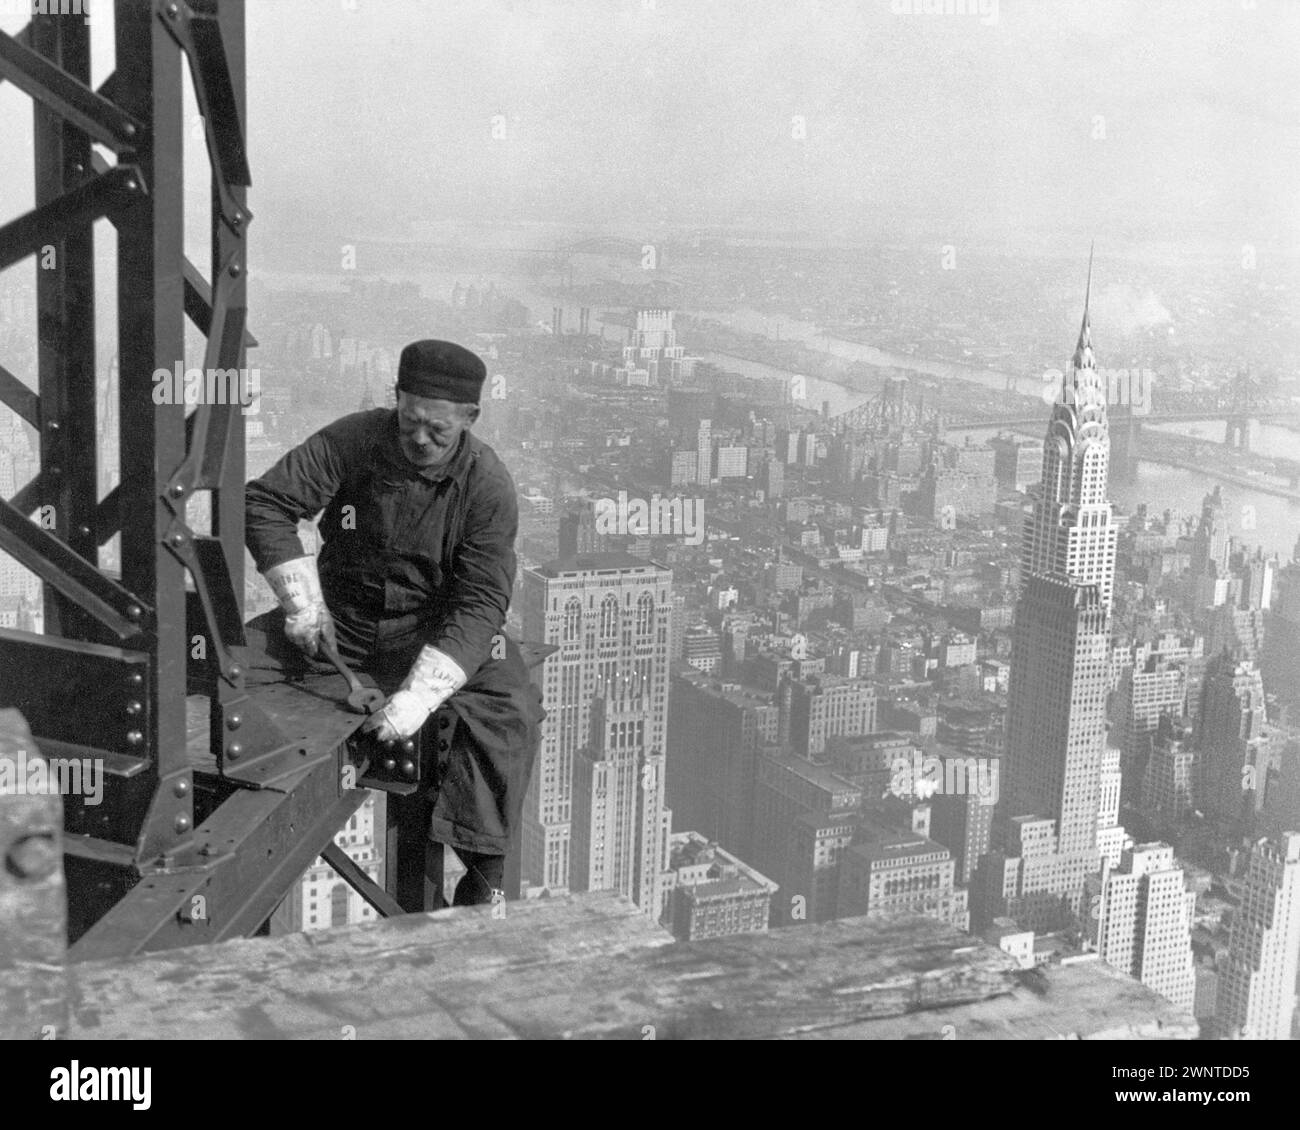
x=441 y=370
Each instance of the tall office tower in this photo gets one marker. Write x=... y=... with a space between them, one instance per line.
x=773 y=479
x=715 y=731
x=1144 y=922
x=1236 y=630
x=1282 y=798
x=1168 y=785
x=1056 y=711
x=704 y=453
x=620 y=823
x=609 y=616
x=1111 y=837
x=962 y=820
x=1212 y=545
x=1233 y=722
x=1257 y=989
x=1146 y=691
x=805 y=817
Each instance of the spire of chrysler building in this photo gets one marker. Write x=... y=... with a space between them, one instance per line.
x=1083 y=358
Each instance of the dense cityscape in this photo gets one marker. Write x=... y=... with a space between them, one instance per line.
x=820 y=656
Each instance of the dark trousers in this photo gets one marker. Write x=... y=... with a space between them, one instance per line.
x=418 y=874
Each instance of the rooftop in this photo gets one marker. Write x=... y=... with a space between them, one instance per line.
x=596 y=563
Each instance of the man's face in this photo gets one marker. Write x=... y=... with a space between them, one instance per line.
x=429 y=430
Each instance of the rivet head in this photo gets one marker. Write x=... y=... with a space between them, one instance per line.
x=131 y=185
x=33 y=856
x=53 y=425
x=177 y=489
x=236 y=671
x=173 y=10
x=134 y=612
x=235 y=751
x=408 y=768
x=83 y=530
x=177 y=539
x=181 y=824
x=234 y=721
x=134 y=737
x=408 y=746
x=181 y=788
x=134 y=707
x=235 y=270
x=389 y=764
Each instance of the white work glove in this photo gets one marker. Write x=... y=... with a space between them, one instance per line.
x=307 y=620
x=433 y=679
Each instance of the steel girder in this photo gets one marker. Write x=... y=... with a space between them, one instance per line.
x=112 y=676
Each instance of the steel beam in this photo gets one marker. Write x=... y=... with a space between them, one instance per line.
x=150 y=337
x=62 y=89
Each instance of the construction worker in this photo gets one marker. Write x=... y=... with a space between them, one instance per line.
x=411 y=584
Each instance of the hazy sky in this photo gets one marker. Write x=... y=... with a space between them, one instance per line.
x=371 y=113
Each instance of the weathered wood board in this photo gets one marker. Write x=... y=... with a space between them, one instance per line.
x=590 y=966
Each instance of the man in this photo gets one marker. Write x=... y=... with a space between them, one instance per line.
x=416 y=568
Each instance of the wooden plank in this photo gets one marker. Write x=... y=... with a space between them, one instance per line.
x=434 y=976
x=591 y=966
x=33 y=913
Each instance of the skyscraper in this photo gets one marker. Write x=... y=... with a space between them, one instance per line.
x=704 y=453
x=1257 y=989
x=1056 y=716
x=609 y=616
x=1230 y=770
x=1144 y=922
x=620 y=824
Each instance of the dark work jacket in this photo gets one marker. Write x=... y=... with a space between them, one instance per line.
x=409 y=557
